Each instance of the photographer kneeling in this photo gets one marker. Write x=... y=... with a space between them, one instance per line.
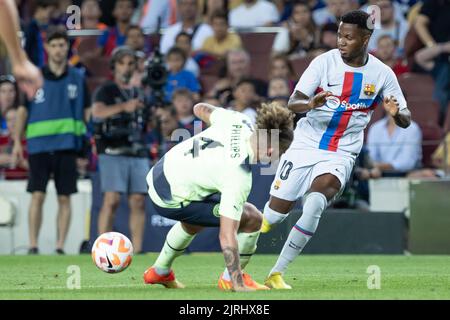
x=118 y=111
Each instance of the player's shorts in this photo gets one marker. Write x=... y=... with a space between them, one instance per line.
x=59 y=165
x=299 y=167
x=123 y=174
x=200 y=213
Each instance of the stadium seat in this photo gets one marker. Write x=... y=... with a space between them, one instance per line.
x=300 y=65
x=416 y=85
x=7 y=218
x=259 y=46
x=256 y=43
x=94 y=82
x=411 y=45
x=432 y=136
x=424 y=111
x=98 y=67
x=213 y=69
x=87 y=44
x=207 y=82
x=260 y=64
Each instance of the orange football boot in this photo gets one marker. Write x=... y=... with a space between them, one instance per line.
x=226 y=285
x=169 y=281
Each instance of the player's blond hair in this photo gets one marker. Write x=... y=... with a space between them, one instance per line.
x=275 y=116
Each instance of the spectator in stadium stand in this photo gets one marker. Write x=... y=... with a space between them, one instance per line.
x=90 y=15
x=136 y=39
x=36 y=30
x=386 y=52
x=396 y=27
x=115 y=36
x=178 y=77
x=401 y=7
x=160 y=138
x=187 y=10
x=328 y=35
x=90 y=19
x=10 y=167
x=9 y=99
x=245 y=99
x=279 y=91
x=299 y=35
x=153 y=10
x=254 y=13
x=237 y=67
x=53 y=149
x=223 y=40
x=183 y=102
x=395 y=150
x=432 y=26
x=281 y=67
x=210 y=7
x=183 y=41
x=333 y=11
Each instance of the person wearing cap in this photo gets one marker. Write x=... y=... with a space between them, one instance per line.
x=55 y=129
x=123 y=160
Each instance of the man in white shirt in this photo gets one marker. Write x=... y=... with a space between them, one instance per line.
x=188 y=14
x=254 y=13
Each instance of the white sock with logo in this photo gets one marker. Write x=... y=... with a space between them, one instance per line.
x=314 y=204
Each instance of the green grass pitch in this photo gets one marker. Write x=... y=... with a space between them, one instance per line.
x=311 y=276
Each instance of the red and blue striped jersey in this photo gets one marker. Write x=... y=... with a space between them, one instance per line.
x=339 y=124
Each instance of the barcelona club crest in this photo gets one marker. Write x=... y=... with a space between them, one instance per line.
x=369 y=89
x=277 y=185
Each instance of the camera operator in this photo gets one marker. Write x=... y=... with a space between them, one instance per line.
x=123 y=160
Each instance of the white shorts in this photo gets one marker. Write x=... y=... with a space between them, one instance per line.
x=299 y=167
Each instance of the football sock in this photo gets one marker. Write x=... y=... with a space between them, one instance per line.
x=247 y=246
x=314 y=204
x=272 y=216
x=177 y=241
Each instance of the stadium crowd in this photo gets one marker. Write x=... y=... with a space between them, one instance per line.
x=217 y=51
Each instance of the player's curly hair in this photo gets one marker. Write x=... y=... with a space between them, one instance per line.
x=275 y=116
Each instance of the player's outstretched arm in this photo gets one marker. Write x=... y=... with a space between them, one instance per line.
x=203 y=111
x=300 y=102
x=402 y=117
x=230 y=249
x=28 y=77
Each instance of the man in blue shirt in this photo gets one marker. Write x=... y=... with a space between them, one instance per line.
x=393 y=148
x=178 y=77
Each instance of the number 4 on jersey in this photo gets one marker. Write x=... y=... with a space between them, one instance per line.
x=207 y=143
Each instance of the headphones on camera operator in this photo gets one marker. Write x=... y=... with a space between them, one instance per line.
x=123 y=126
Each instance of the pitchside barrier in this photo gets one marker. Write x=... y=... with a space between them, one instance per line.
x=411 y=215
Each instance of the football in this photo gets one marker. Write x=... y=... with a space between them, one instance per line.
x=112 y=252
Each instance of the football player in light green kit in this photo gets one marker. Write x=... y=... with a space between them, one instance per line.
x=205 y=181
